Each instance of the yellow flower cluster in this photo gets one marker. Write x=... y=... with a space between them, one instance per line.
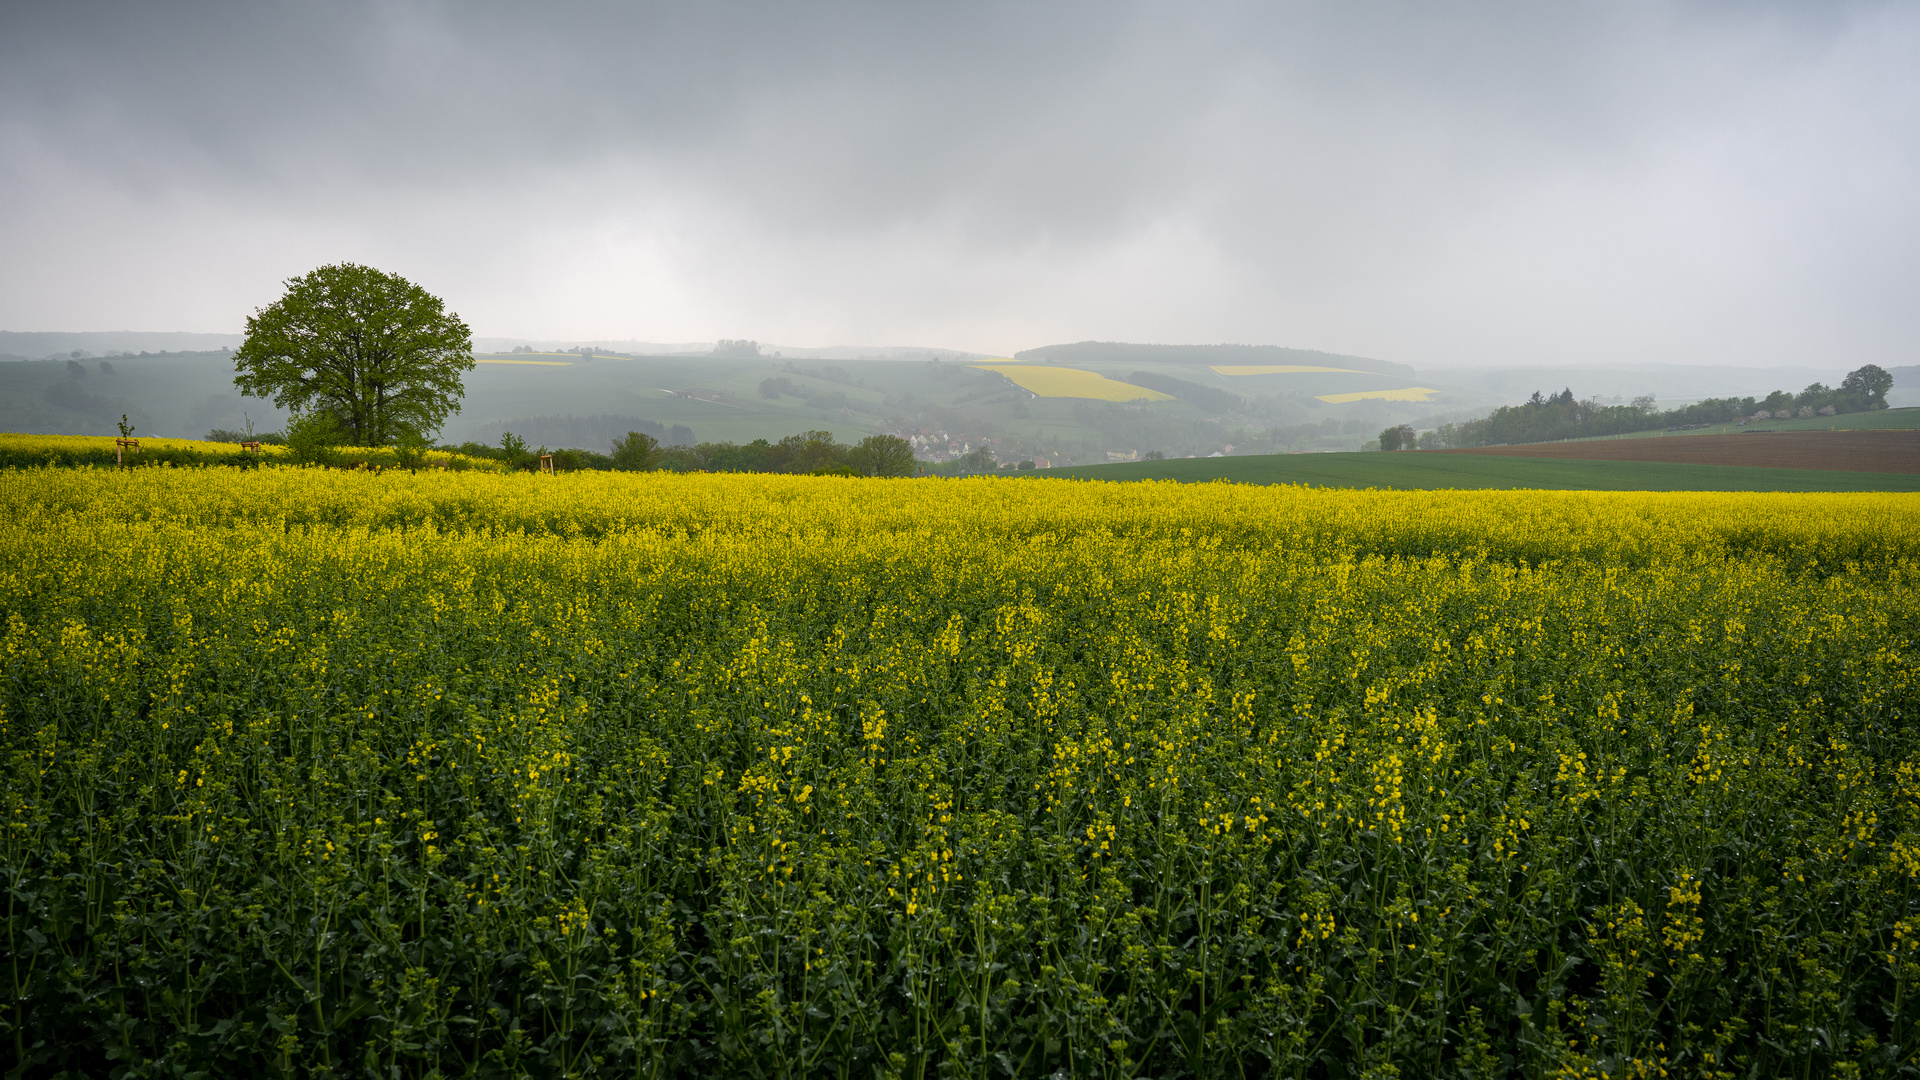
x=658 y=773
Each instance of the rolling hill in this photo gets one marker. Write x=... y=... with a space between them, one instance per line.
x=945 y=406
x=1131 y=398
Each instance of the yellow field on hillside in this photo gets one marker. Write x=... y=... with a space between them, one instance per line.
x=1073 y=383
x=511 y=360
x=1410 y=393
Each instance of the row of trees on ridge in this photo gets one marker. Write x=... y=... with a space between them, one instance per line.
x=816 y=453
x=1559 y=416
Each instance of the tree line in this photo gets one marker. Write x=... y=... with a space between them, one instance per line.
x=814 y=453
x=1559 y=416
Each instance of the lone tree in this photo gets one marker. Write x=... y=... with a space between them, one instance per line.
x=378 y=354
x=1403 y=437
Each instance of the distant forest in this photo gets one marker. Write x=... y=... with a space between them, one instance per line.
x=599 y=429
x=1559 y=416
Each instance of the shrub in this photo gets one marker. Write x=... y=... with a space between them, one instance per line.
x=315 y=438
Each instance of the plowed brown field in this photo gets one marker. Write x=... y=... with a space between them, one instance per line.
x=1852 y=451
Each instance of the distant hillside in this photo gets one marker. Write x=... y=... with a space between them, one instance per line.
x=947 y=409
x=767 y=350
x=103 y=343
x=1114 y=352
x=1906 y=385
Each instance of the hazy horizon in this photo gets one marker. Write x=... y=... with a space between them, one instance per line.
x=94 y=344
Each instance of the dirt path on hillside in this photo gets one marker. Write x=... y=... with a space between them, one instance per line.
x=1851 y=451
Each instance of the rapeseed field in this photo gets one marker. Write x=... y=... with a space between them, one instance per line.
x=1069 y=382
x=355 y=774
x=1409 y=393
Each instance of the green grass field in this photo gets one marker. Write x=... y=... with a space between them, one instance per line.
x=1471 y=472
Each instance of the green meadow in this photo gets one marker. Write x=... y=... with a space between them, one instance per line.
x=1472 y=471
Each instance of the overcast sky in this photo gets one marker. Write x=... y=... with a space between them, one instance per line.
x=1426 y=182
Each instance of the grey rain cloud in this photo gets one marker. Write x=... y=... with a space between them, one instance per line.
x=1434 y=183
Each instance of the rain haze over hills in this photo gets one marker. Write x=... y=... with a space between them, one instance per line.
x=1660 y=198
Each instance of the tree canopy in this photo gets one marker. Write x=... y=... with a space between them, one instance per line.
x=378 y=354
x=1870 y=384
x=883 y=455
x=638 y=452
x=1403 y=438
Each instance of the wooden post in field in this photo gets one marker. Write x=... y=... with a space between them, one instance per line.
x=250 y=447
x=122 y=447
x=546 y=464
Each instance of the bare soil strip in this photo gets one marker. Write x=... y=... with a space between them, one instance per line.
x=1851 y=451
